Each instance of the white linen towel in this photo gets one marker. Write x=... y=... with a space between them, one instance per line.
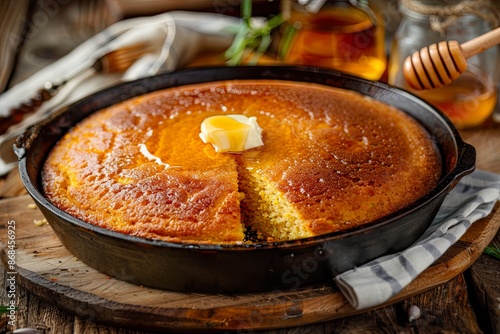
x=376 y=282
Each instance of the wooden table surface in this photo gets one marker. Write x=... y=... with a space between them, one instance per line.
x=468 y=303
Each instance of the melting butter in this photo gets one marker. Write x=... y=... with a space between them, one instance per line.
x=144 y=150
x=231 y=133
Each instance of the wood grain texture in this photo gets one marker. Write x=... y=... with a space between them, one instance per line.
x=484 y=277
x=486 y=140
x=441 y=313
x=11 y=185
x=49 y=272
x=12 y=18
x=445 y=309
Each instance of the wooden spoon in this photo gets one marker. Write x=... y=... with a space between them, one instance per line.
x=439 y=64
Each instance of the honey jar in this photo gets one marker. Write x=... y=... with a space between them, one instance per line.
x=469 y=100
x=344 y=35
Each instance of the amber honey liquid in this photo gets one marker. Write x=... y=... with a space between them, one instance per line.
x=342 y=38
x=468 y=101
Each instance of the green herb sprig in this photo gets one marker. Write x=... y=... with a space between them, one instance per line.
x=6 y=309
x=493 y=251
x=251 y=37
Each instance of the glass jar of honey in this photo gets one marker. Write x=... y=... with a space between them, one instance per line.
x=344 y=35
x=469 y=100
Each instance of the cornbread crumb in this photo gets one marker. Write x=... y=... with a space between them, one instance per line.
x=40 y=222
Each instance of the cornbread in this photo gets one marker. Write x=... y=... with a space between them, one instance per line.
x=332 y=160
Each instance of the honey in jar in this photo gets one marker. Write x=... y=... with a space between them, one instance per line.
x=469 y=100
x=343 y=35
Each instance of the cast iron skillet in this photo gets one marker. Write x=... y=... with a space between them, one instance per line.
x=241 y=268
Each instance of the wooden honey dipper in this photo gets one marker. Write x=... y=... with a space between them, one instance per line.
x=437 y=65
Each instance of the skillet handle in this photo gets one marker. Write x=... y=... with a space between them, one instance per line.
x=466 y=162
x=467 y=157
x=24 y=140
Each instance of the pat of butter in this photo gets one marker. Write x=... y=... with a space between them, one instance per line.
x=231 y=133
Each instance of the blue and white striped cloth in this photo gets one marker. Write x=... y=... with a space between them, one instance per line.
x=376 y=282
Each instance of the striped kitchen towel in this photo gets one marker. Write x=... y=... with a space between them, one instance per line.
x=376 y=282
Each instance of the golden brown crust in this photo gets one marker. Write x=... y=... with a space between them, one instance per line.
x=338 y=159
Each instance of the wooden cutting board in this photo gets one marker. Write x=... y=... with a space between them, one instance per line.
x=45 y=268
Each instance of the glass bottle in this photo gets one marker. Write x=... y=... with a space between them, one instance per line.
x=469 y=100
x=346 y=35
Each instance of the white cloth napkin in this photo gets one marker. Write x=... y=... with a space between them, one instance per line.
x=177 y=37
x=374 y=283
